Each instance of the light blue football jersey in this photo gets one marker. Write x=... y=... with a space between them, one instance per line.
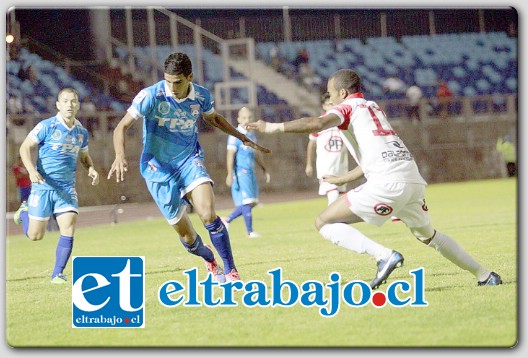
x=170 y=129
x=58 y=149
x=245 y=156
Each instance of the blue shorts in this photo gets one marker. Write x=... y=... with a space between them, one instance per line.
x=43 y=203
x=245 y=188
x=170 y=195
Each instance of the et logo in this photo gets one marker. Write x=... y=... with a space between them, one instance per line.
x=108 y=292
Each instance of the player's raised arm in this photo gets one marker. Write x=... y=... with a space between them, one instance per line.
x=218 y=121
x=120 y=165
x=302 y=125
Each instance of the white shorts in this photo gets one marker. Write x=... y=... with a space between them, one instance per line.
x=376 y=203
x=325 y=188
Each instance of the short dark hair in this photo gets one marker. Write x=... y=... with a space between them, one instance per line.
x=68 y=89
x=348 y=80
x=178 y=63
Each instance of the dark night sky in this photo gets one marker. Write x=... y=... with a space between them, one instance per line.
x=65 y=31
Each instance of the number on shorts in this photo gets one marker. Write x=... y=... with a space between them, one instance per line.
x=33 y=200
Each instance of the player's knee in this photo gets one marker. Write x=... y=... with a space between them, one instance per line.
x=424 y=234
x=67 y=229
x=207 y=216
x=67 y=222
x=319 y=222
x=35 y=236
x=67 y=232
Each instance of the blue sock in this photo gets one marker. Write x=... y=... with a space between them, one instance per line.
x=220 y=239
x=24 y=217
x=199 y=249
x=236 y=213
x=62 y=254
x=248 y=217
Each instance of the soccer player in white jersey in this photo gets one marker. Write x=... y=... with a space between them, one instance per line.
x=172 y=161
x=241 y=176
x=331 y=159
x=61 y=140
x=394 y=184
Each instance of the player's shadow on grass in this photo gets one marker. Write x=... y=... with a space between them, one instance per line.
x=171 y=270
x=455 y=283
x=281 y=260
x=46 y=276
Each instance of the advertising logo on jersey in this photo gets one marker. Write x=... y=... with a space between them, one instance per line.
x=56 y=135
x=195 y=110
x=108 y=292
x=383 y=209
x=164 y=107
x=334 y=144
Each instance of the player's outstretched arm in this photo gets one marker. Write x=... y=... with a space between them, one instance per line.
x=218 y=121
x=352 y=175
x=120 y=165
x=302 y=125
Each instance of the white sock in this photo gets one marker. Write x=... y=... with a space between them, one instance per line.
x=452 y=251
x=332 y=196
x=351 y=239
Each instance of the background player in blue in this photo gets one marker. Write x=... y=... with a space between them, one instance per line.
x=172 y=160
x=61 y=140
x=241 y=176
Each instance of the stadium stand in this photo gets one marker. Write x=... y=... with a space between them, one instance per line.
x=480 y=68
x=472 y=63
x=213 y=71
x=30 y=95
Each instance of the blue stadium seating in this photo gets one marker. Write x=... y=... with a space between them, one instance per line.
x=213 y=71
x=50 y=80
x=471 y=63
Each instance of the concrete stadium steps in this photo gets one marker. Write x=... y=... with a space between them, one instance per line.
x=279 y=84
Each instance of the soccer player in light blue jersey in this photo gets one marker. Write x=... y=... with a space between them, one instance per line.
x=172 y=161
x=61 y=140
x=241 y=176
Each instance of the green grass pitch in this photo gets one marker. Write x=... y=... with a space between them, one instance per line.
x=480 y=215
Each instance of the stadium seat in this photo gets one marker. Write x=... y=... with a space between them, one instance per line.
x=471 y=63
x=51 y=79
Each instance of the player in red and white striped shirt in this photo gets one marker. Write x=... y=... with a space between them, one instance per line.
x=394 y=185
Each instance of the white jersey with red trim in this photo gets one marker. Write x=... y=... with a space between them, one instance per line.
x=373 y=143
x=332 y=157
